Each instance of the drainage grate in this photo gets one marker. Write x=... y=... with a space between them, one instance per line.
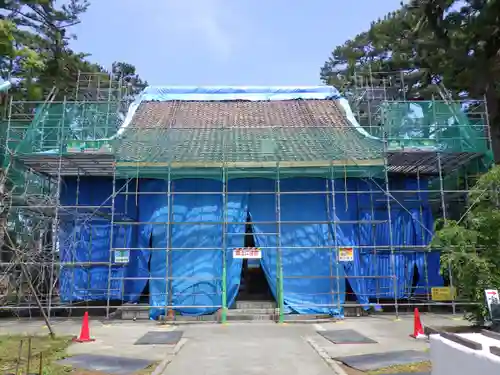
x=346 y=336
x=106 y=364
x=160 y=338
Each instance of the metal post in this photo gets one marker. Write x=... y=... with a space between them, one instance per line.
x=224 y=244
x=488 y=128
x=75 y=240
x=388 y=196
x=279 y=260
x=426 y=252
x=443 y=201
x=55 y=223
x=168 y=268
x=330 y=239
x=374 y=244
x=111 y=235
x=335 y=237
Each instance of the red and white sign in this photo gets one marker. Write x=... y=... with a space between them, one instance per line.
x=491 y=298
x=247 y=253
x=346 y=254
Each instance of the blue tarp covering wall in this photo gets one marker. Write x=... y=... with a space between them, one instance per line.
x=191 y=276
x=85 y=236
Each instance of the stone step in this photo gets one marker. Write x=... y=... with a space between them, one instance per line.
x=255 y=305
x=252 y=311
x=243 y=310
x=249 y=317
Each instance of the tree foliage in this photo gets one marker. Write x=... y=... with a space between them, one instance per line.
x=36 y=56
x=470 y=245
x=35 y=52
x=451 y=42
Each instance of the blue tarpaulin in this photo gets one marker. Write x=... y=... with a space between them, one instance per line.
x=357 y=214
x=84 y=239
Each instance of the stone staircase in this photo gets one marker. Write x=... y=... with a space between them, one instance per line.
x=252 y=310
x=240 y=311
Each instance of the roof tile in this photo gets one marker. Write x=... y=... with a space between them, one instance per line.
x=239 y=114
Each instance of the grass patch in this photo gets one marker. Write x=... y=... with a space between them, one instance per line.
x=14 y=357
x=411 y=367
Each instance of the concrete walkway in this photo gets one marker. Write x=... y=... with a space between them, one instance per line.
x=240 y=348
x=247 y=348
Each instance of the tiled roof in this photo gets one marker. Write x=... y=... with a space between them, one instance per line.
x=244 y=131
x=239 y=114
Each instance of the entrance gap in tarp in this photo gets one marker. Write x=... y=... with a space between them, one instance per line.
x=254 y=285
x=190 y=276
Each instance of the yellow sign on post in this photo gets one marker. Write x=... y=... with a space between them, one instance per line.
x=444 y=293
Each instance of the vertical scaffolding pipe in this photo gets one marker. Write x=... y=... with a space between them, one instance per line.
x=75 y=240
x=443 y=201
x=279 y=255
x=168 y=268
x=111 y=236
x=224 y=244
x=426 y=253
x=488 y=131
x=330 y=239
x=55 y=223
x=3 y=177
x=374 y=245
x=388 y=196
x=335 y=237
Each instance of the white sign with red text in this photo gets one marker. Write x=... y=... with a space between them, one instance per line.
x=491 y=298
x=247 y=253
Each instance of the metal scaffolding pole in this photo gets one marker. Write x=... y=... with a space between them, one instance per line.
x=335 y=237
x=76 y=221
x=388 y=196
x=224 y=245
x=55 y=225
x=279 y=255
x=330 y=241
x=168 y=269
x=443 y=202
x=111 y=242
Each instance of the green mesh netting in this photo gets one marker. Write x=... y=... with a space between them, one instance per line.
x=247 y=152
x=56 y=126
x=61 y=128
x=432 y=125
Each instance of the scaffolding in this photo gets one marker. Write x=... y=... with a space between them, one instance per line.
x=73 y=179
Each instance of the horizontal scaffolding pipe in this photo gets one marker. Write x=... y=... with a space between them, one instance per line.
x=167 y=278
x=431 y=303
x=337 y=192
x=344 y=305
x=247 y=222
x=341 y=277
x=329 y=247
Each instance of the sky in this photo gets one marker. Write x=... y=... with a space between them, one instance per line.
x=223 y=42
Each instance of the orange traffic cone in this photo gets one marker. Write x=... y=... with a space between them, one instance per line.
x=85 y=331
x=418 y=329
x=171 y=314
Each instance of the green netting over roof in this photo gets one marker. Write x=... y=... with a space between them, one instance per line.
x=248 y=151
x=306 y=137
x=57 y=124
x=434 y=124
x=19 y=180
x=247 y=146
